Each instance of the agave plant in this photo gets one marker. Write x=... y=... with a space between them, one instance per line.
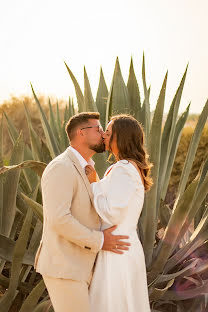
x=176 y=258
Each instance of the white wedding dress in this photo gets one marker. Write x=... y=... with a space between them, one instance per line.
x=119 y=282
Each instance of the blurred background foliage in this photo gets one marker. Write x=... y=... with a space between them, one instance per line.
x=14 y=108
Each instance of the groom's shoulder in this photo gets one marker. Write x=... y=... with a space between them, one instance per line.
x=59 y=163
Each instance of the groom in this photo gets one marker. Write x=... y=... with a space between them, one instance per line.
x=71 y=235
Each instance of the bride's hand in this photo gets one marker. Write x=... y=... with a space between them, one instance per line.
x=91 y=174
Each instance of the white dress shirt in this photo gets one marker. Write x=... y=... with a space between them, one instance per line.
x=83 y=164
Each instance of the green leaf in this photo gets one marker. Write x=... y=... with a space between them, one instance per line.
x=33 y=298
x=187 y=294
x=80 y=97
x=66 y=114
x=196 y=240
x=146 y=104
x=30 y=178
x=10 y=188
x=118 y=98
x=88 y=98
x=45 y=306
x=7 y=246
x=134 y=94
x=36 y=166
x=61 y=137
x=14 y=134
x=45 y=153
x=36 y=237
x=101 y=163
x=36 y=207
x=151 y=197
x=159 y=293
x=168 y=134
x=19 y=251
x=201 y=194
x=34 y=139
x=50 y=138
x=178 y=131
x=52 y=121
x=101 y=98
x=71 y=108
x=164 y=213
x=183 y=272
x=168 y=242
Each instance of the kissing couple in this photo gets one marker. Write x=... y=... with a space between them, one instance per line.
x=90 y=256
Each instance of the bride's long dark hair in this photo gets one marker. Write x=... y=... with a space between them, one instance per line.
x=129 y=136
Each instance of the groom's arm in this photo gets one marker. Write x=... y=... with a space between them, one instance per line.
x=58 y=185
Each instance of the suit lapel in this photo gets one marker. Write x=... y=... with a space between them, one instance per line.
x=81 y=172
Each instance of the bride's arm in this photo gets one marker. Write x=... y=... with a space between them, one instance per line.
x=111 y=202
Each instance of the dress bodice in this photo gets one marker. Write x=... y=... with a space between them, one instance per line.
x=119 y=197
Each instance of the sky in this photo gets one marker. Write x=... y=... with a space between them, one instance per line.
x=38 y=36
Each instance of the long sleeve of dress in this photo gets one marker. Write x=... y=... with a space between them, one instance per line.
x=113 y=193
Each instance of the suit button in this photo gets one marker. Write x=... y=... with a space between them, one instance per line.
x=87 y=247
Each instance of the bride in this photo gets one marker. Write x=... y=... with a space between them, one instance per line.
x=119 y=282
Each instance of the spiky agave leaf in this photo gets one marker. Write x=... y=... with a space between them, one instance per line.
x=197 y=239
x=201 y=193
x=134 y=93
x=61 y=129
x=154 y=147
x=33 y=298
x=101 y=98
x=177 y=135
x=34 y=139
x=14 y=134
x=187 y=294
x=19 y=251
x=118 y=97
x=36 y=207
x=44 y=306
x=53 y=124
x=168 y=134
x=10 y=188
x=168 y=242
x=79 y=94
x=7 y=246
x=37 y=166
x=88 y=98
x=146 y=118
x=157 y=293
x=50 y=138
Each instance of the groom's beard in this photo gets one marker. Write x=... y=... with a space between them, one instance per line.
x=98 y=148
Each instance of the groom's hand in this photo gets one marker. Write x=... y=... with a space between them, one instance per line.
x=113 y=243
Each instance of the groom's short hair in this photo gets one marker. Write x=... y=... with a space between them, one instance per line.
x=78 y=120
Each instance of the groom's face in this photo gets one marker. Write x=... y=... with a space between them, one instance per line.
x=92 y=132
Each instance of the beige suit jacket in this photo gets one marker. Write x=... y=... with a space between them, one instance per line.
x=71 y=236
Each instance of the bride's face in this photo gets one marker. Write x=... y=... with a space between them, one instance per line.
x=106 y=136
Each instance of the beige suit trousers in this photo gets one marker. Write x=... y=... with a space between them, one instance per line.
x=67 y=295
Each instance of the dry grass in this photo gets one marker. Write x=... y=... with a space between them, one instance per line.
x=14 y=108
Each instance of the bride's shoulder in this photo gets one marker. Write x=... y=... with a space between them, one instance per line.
x=123 y=165
x=120 y=166
x=130 y=167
